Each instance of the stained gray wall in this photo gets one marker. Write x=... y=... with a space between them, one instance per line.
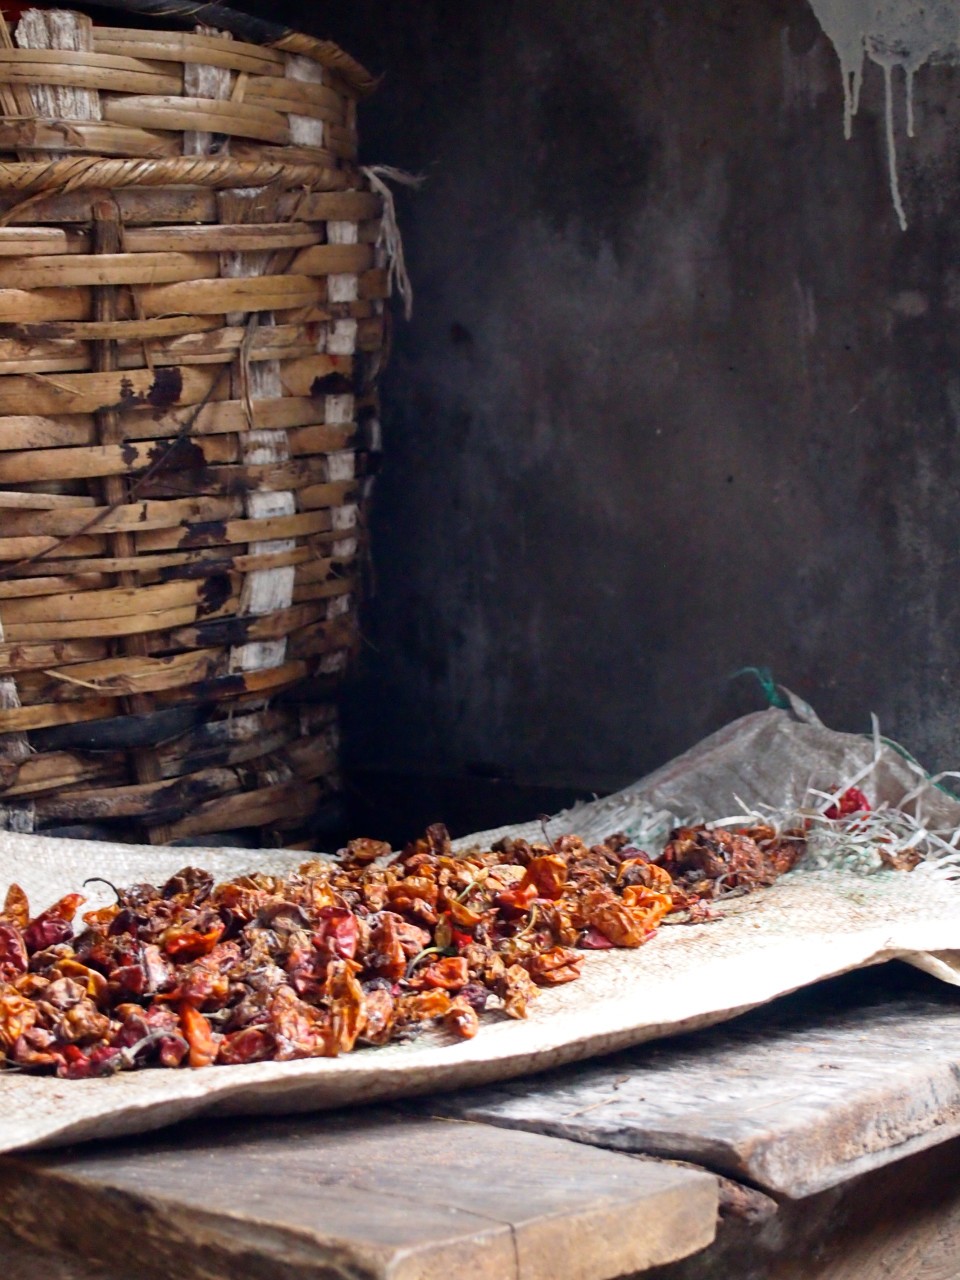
x=678 y=396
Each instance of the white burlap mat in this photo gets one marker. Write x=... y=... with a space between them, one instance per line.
x=809 y=926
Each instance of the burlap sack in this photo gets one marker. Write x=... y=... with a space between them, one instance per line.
x=810 y=925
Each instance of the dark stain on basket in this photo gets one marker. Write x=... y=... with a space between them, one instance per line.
x=195 y=569
x=204 y=533
x=332 y=384
x=167 y=388
x=176 y=468
x=186 y=454
x=213 y=595
x=130 y=453
x=162 y=394
x=222 y=631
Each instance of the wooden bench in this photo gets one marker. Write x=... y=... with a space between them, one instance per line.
x=814 y=1138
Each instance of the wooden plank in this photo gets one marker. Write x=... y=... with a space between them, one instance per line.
x=51 y=585
x=26 y=500
x=111 y=733
x=228 y=741
x=66 y=31
x=164 y=111
x=208 y=297
x=901 y=1222
x=30 y=465
x=54 y=770
x=285 y=805
x=88 y=392
x=36 y=431
x=149 y=802
x=189 y=564
x=178 y=46
x=125 y=328
x=23 y=719
x=242 y=630
x=137 y=516
x=115 y=602
x=337 y=206
x=213 y=239
x=218 y=532
x=130 y=674
x=19 y=305
x=82 y=628
x=789 y=1100
x=139 y=206
x=329 y=259
x=23 y=241
x=86 y=70
x=307 y=474
x=61 y=271
x=370 y=1196
x=34 y=657
x=21 y=548
x=115 y=139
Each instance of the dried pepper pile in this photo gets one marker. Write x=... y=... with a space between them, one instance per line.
x=359 y=951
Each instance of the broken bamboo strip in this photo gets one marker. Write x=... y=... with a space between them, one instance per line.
x=120 y=677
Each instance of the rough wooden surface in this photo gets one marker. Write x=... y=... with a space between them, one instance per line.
x=801 y=1096
x=897 y=1223
x=369 y=1195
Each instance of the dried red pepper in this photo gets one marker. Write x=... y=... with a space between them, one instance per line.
x=342 y=953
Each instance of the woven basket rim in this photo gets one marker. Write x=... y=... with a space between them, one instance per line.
x=251 y=29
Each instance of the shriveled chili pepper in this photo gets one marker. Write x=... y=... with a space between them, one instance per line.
x=16 y=908
x=199 y=1037
x=187 y=943
x=54 y=925
x=338 y=932
x=852 y=801
x=13 y=952
x=450 y=973
x=548 y=875
x=337 y=954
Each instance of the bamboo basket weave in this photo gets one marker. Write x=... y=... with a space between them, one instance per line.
x=191 y=322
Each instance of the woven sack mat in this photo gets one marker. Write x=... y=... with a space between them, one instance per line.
x=809 y=926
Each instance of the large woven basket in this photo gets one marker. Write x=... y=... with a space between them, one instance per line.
x=190 y=328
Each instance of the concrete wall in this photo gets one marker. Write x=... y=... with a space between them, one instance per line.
x=679 y=396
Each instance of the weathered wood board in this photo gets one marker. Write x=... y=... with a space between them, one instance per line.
x=368 y=1196
x=800 y=1096
x=901 y=1222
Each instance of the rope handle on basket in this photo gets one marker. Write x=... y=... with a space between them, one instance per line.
x=390 y=239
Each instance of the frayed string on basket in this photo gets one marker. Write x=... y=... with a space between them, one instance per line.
x=390 y=239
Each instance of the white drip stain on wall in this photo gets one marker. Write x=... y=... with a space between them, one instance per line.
x=904 y=34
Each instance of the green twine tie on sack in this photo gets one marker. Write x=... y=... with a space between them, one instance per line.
x=771 y=690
